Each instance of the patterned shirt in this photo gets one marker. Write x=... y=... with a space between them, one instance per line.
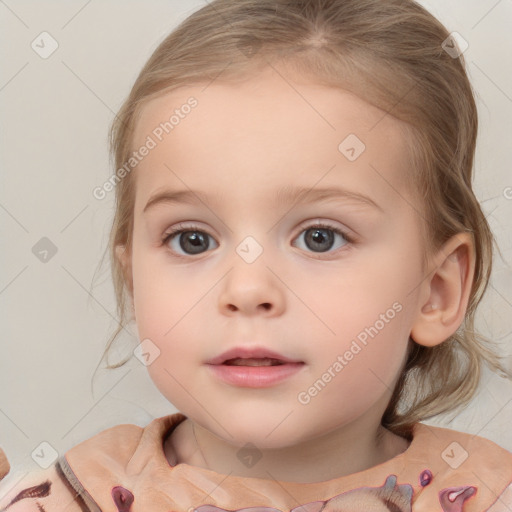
x=125 y=469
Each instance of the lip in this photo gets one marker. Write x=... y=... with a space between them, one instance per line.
x=254 y=376
x=250 y=352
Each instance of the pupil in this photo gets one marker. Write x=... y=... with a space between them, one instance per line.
x=318 y=237
x=191 y=242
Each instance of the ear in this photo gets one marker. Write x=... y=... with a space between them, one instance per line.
x=124 y=258
x=445 y=292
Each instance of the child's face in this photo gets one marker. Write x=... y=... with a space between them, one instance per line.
x=344 y=309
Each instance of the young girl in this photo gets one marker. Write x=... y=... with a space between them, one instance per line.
x=297 y=238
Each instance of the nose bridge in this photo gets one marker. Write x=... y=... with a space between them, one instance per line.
x=250 y=287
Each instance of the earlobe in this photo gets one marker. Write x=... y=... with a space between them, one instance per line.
x=447 y=291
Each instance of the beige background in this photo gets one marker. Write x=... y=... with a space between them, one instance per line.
x=56 y=113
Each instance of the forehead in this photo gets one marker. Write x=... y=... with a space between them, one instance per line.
x=264 y=131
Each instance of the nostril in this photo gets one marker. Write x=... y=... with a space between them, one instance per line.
x=265 y=305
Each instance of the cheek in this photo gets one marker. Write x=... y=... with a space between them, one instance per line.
x=164 y=299
x=352 y=297
x=170 y=311
x=367 y=310
x=366 y=357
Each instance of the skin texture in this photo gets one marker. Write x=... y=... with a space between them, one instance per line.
x=242 y=143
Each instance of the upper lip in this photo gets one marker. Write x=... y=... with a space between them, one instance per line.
x=248 y=353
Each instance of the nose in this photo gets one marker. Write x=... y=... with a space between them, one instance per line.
x=252 y=289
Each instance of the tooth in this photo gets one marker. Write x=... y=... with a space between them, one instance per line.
x=252 y=362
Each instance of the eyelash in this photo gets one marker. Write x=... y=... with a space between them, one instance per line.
x=180 y=228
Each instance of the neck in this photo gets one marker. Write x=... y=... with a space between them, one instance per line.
x=335 y=454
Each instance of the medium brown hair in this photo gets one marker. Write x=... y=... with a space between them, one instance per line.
x=390 y=53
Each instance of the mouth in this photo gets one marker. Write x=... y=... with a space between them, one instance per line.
x=251 y=356
x=241 y=361
x=246 y=368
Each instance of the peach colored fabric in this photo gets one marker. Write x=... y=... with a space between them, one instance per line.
x=124 y=469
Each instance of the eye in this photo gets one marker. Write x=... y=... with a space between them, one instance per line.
x=191 y=240
x=321 y=237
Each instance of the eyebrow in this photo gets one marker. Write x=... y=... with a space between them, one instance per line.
x=285 y=194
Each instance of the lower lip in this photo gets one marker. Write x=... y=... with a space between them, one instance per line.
x=255 y=376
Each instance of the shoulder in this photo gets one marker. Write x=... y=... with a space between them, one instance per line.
x=118 y=442
x=457 y=449
x=123 y=444
x=80 y=478
x=465 y=466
